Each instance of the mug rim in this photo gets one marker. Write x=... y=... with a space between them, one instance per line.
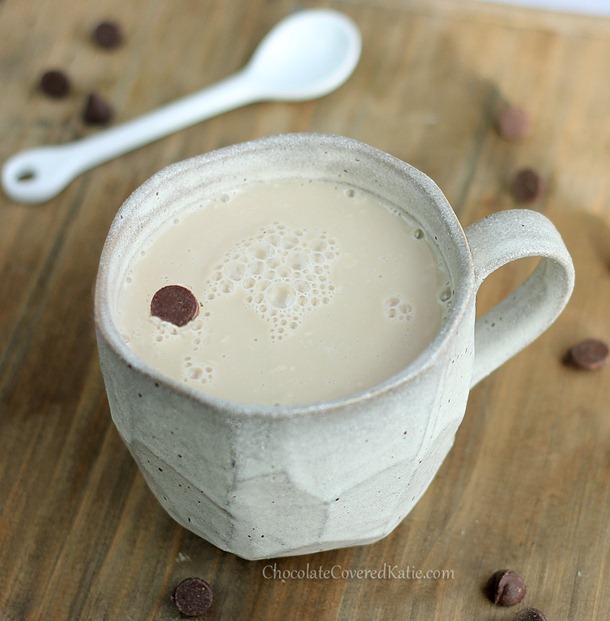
x=107 y=330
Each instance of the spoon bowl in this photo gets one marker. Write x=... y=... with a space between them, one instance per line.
x=283 y=69
x=305 y=56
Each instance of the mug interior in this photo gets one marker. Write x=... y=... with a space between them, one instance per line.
x=184 y=185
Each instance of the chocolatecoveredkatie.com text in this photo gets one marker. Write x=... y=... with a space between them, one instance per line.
x=274 y=571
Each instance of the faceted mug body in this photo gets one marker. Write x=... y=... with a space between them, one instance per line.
x=271 y=481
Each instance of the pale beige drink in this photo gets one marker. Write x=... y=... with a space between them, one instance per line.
x=308 y=291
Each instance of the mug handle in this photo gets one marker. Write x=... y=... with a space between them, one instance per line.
x=529 y=310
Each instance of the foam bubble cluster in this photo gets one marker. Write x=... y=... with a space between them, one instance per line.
x=398 y=309
x=163 y=330
x=191 y=370
x=284 y=273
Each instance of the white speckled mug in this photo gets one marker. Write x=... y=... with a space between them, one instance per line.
x=262 y=481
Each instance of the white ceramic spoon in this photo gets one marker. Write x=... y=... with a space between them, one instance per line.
x=305 y=56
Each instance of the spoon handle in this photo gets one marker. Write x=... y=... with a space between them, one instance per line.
x=38 y=174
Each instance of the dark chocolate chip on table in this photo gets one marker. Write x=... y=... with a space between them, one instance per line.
x=108 y=34
x=530 y=614
x=97 y=110
x=589 y=354
x=506 y=587
x=192 y=597
x=55 y=83
x=514 y=123
x=527 y=185
x=174 y=303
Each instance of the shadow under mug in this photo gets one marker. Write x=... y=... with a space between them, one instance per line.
x=265 y=481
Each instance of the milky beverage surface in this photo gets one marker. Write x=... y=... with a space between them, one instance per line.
x=308 y=291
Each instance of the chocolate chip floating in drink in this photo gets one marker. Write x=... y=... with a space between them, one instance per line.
x=55 y=84
x=589 y=354
x=192 y=597
x=530 y=614
x=108 y=34
x=175 y=304
x=514 y=123
x=97 y=110
x=506 y=588
x=527 y=185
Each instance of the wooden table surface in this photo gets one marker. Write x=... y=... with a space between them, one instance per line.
x=527 y=484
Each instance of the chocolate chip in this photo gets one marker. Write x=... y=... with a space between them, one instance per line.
x=97 y=111
x=174 y=303
x=514 y=123
x=530 y=614
x=506 y=588
x=55 y=83
x=192 y=597
x=590 y=354
x=108 y=35
x=527 y=185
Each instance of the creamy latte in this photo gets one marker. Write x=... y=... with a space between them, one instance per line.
x=300 y=292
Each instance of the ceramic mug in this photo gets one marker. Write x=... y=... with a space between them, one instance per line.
x=264 y=481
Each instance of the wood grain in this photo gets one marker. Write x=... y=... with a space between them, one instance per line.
x=527 y=484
